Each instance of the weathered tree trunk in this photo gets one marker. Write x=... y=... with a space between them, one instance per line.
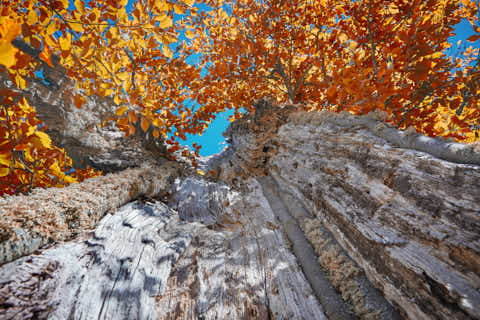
x=310 y=216
x=58 y=214
x=408 y=219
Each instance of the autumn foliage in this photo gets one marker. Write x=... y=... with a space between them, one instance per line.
x=355 y=56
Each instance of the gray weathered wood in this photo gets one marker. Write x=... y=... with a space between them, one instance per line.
x=410 y=220
x=381 y=208
x=59 y=214
x=241 y=266
x=146 y=261
x=114 y=274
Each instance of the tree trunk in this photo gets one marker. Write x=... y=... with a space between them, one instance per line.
x=59 y=214
x=309 y=216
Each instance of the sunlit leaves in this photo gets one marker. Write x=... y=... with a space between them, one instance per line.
x=342 y=55
x=9 y=30
x=28 y=158
x=144 y=124
x=165 y=22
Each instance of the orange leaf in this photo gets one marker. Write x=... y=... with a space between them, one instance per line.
x=144 y=124
x=131 y=129
x=473 y=38
x=45 y=56
x=9 y=30
x=78 y=101
x=132 y=116
x=331 y=93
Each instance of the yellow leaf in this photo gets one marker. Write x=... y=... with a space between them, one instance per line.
x=144 y=124
x=436 y=55
x=165 y=22
x=178 y=9
x=77 y=27
x=117 y=99
x=55 y=169
x=79 y=6
x=189 y=2
x=5 y=158
x=51 y=29
x=44 y=139
x=167 y=52
x=65 y=3
x=20 y=81
x=32 y=17
x=4 y=172
x=201 y=172
x=160 y=5
x=64 y=43
x=342 y=37
x=121 y=111
x=126 y=84
x=9 y=30
x=69 y=179
x=123 y=75
x=189 y=34
x=108 y=92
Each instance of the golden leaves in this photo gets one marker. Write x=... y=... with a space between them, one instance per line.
x=120 y=111
x=165 y=22
x=5 y=158
x=9 y=30
x=35 y=161
x=178 y=9
x=42 y=140
x=166 y=51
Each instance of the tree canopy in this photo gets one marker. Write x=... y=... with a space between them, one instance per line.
x=355 y=56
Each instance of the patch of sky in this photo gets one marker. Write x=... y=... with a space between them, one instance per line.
x=462 y=31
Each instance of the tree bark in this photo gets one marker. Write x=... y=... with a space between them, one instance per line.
x=408 y=219
x=60 y=214
x=308 y=216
